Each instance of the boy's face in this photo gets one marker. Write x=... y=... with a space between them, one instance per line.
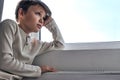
x=32 y=20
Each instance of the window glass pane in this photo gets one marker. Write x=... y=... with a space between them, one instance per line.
x=86 y=20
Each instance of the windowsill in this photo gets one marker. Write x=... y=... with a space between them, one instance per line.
x=92 y=45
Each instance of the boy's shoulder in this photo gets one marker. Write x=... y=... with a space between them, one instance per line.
x=9 y=21
x=8 y=24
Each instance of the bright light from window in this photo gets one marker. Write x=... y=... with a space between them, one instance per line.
x=86 y=20
x=9 y=9
x=80 y=20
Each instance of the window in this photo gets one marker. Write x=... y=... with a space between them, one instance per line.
x=9 y=9
x=81 y=20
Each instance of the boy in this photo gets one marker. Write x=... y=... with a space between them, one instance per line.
x=17 y=51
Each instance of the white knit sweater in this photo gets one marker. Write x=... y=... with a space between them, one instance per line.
x=16 y=55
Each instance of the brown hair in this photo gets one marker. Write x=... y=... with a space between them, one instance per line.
x=25 y=4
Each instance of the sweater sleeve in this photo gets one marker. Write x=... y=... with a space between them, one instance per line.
x=8 y=62
x=57 y=43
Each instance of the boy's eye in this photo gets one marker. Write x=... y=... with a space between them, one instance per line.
x=37 y=13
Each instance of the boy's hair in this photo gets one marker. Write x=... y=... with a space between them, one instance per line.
x=25 y=4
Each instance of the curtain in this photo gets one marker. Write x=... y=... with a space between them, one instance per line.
x=1 y=8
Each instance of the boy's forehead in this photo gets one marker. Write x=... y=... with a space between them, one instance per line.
x=37 y=8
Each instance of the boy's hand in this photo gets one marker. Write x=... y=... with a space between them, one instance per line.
x=46 y=68
x=47 y=21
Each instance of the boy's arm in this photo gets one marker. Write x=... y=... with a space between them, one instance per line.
x=58 y=42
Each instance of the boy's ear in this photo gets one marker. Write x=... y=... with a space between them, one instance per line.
x=20 y=13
